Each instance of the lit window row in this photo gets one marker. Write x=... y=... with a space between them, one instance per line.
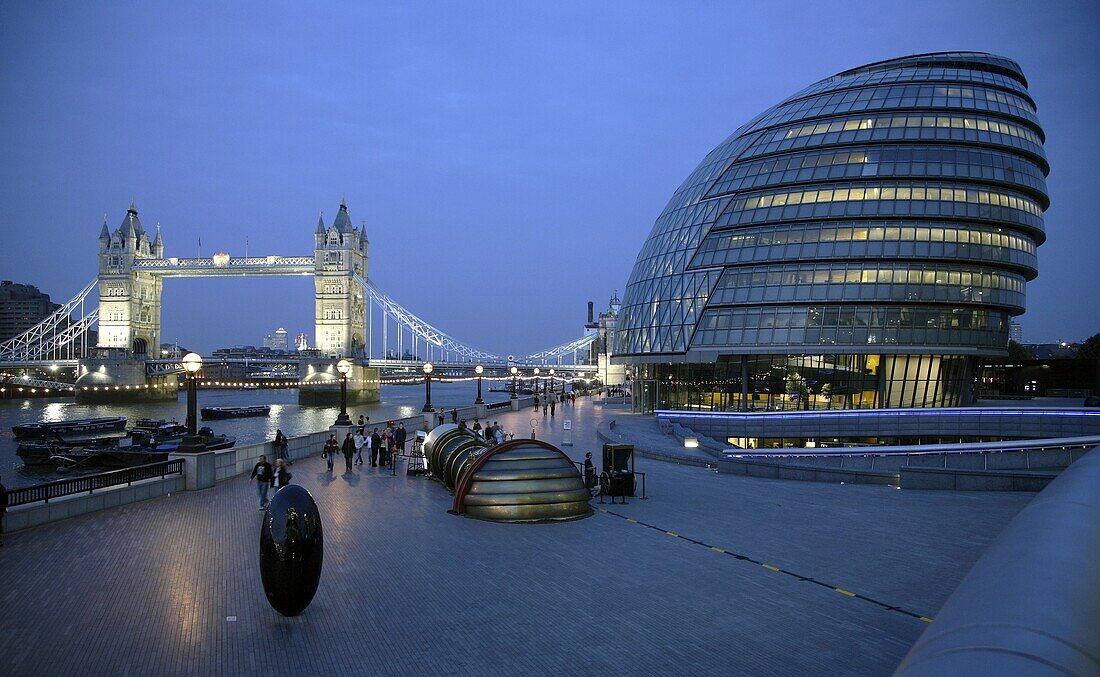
x=816 y=273
x=920 y=74
x=875 y=239
x=854 y=316
x=897 y=96
x=899 y=192
x=881 y=161
x=939 y=121
x=867 y=282
x=850 y=325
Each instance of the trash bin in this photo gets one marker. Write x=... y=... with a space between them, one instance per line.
x=618 y=463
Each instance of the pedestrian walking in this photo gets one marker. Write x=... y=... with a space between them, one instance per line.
x=332 y=447
x=399 y=436
x=477 y=427
x=375 y=447
x=498 y=433
x=280 y=477
x=552 y=407
x=359 y=442
x=3 y=510
x=349 y=451
x=261 y=472
x=536 y=403
x=589 y=471
x=280 y=446
x=442 y=417
x=454 y=415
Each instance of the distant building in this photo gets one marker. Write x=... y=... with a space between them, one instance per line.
x=600 y=351
x=21 y=307
x=277 y=341
x=1050 y=351
x=301 y=342
x=1015 y=332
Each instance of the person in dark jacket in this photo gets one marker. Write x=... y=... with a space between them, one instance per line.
x=454 y=415
x=349 y=451
x=261 y=472
x=375 y=447
x=3 y=509
x=332 y=447
x=399 y=437
x=280 y=477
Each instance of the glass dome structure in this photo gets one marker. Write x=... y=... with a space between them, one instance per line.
x=868 y=237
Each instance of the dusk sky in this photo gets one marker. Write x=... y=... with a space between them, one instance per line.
x=508 y=159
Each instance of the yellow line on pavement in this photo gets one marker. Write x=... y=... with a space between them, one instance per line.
x=769 y=567
x=672 y=533
x=631 y=519
x=845 y=592
x=717 y=549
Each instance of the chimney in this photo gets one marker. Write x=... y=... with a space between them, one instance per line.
x=589 y=312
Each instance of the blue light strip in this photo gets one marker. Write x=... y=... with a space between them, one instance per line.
x=847 y=413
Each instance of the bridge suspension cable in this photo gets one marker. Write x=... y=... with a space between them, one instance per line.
x=59 y=335
x=445 y=343
x=558 y=352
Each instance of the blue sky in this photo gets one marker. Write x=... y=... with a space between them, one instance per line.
x=508 y=158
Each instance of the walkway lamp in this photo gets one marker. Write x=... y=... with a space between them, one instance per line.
x=537 y=381
x=343 y=366
x=514 y=372
x=550 y=382
x=478 y=370
x=192 y=363
x=427 y=387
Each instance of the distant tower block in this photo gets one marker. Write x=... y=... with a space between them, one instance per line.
x=129 y=300
x=341 y=251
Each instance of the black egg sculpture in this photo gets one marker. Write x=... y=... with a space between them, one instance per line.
x=292 y=549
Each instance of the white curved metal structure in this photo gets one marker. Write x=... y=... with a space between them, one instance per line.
x=59 y=335
x=62 y=335
x=558 y=352
x=447 y=345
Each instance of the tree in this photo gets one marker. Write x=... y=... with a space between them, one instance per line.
x=1090 y=349
x=1018 y=353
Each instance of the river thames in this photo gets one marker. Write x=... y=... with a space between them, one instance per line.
x=397 y=401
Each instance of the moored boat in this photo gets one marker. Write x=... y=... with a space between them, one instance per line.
x=114 y=453
x=209 y=413
x=81 y=427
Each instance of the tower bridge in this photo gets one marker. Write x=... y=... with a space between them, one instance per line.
x=353 y=318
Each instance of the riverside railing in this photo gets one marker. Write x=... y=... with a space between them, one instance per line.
x=89 y=483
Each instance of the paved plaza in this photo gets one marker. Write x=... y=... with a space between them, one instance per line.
x=713 y=573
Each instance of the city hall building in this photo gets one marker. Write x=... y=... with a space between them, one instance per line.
x=861 y=245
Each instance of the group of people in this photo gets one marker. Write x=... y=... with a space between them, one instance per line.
x=550 y=400
x=380 y=447
x=493 y=434
x=270 y=477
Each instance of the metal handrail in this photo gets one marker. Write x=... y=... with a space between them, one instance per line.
x=89 y=483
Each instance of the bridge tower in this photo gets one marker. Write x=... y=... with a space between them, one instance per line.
x=340 y=252
x=129 y=300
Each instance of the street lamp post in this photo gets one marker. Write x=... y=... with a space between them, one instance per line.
x=514 y=372
x=343 y=366
x=427 y=387
x=550 y=382
x=538 y=382
x=192 y=363
x=478 y=370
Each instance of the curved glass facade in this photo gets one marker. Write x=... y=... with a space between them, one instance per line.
x=890 y=210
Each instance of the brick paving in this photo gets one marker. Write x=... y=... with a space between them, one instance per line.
x=171 y=586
